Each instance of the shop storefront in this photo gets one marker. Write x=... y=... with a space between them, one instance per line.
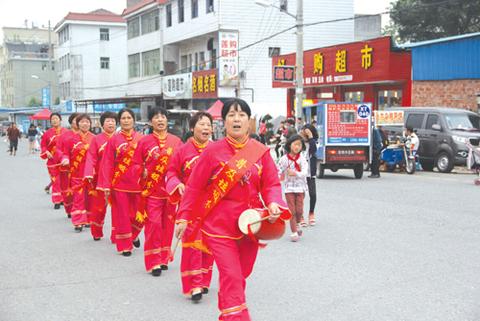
x=367 y=71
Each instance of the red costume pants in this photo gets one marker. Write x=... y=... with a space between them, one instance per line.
x=97 y=207
x=196 y=266
x=124 y=210
x=235 y=260
x=159 y=227
x=66 y=191
x=79 y=206
x=55 y=178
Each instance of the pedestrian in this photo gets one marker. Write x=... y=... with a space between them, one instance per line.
x=97 y=206
x=262 y=131
x=299 y=124
x=62 y=149
x=197 y=260
x=152 y=157
x=279 y=139
x=119 y=180
x=232 y=175
x=293 y=170
x=48 y=146
x=377 y=146
x=290 y=129
x=13 y=134
x=74 y=156
x=31 y=135
x=310 y=136
x=38 y=138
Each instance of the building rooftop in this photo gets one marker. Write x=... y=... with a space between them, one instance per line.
x=99 y=15
x=435 y=41
x=140 y=5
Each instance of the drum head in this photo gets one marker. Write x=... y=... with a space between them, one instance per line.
x=247 y=217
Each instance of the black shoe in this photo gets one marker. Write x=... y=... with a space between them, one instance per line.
x=127 y=253
x=47 y=189
x=56 y=206
x=69 y=215
x=196 y=297
x=78 y=229
x=136 y=243
x=164 y=267
x=157 y=272
x=97 y=238
x=374 y=176
x=205 y=291
x=86 y=225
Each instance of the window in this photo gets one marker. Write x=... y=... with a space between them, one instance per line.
x=169 y=15
x=181 y=11
x=201 y=65
x=184 y=63
x=415 y=121
x=347 y=117
x=104 y=63
x=133 y=27
x=354 y=96
x=151 y=62
x=189 y=63
x=150 y=22
x=389 y=98
x=63 y=35
x=104 y=34
x=431 y=120
x=273 y=52
x=194 y=8
x=195 y=66
x=209 y=6
x=134 y=66
x=213 y=59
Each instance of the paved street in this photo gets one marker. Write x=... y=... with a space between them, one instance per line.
x=403 y=247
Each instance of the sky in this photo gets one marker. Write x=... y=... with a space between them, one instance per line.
x=14 y=13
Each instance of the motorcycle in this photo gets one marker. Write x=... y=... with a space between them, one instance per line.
x=401 y=154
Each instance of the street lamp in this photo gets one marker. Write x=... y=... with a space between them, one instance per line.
x=299 y=53
x=49 y=90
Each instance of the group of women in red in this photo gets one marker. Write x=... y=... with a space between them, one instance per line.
x=193 y=191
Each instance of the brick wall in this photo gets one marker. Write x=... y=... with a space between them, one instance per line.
x=453 y=93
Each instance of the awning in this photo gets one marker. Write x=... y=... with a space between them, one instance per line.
x=43 y=114
x=216 y=110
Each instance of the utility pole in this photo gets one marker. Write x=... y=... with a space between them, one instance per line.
x=299 y=61
x=50 y=65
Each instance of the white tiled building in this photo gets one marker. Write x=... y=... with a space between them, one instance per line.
x=91 y=56
x=182 y=39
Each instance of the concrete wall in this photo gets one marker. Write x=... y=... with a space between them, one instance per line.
x=367 y=27
x=454 y=93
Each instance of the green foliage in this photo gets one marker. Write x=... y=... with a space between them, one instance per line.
x=420 y=20
x=34 y=102
x=57 y=101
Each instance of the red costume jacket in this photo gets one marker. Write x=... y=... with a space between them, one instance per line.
x=49 y=143
x=95 y=155
x=75 y=151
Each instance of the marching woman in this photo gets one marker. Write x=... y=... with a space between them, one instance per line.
x=232 y=175
x=97 y=206
x=64 y=167
x=49 y=149
x=197 y=261
x=117 y=178
x=75 y=157
x=152 y=157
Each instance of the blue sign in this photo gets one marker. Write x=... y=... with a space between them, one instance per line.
x=348 y=140
x=46 y=97
x=364 y=111
x=69 y=106
x=108 y=107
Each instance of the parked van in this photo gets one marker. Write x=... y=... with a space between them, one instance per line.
x=443 y=134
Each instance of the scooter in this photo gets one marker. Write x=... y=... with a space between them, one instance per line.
x=401 y=154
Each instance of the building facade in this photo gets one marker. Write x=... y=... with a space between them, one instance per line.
x=446 y=72
x=26 y=69
x=91 y=55
x=192 y=52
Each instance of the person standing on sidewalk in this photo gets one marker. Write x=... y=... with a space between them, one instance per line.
x=197 y=261
x=377 y=146
x=151 y=160
x=48 y=147
x=97 y=206
x=31 y=134
x=13 y=135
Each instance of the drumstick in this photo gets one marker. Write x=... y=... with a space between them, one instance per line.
x=177 y=241
x=260 y=220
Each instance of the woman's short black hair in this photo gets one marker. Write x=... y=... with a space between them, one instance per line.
x=128 y=110
x=56 y=114
x=157 y=111
x=72 y=117
x=199 y=115
x=238 y=104
x=82 y=116
x=293 y=139
x=107 y=114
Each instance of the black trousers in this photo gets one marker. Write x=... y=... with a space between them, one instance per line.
x=312 y=193
x=13 y=145
x=375 y=167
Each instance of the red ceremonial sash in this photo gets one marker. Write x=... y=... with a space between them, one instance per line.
x=125 y=161
x=154 y=178
x=228 y=177
x=78 y=159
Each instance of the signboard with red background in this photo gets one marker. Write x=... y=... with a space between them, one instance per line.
x=204 y=84
x=346 y=125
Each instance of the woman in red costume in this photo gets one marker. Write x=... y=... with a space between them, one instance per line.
x=97 y=206
x=49 y=149
x=75 y=157
x=152 y=157
x=117 y=178
x=197 y=262
x=231 y=176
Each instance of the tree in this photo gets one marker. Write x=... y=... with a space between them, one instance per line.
x=34 y=102
x=57 y=101
x=419 y=20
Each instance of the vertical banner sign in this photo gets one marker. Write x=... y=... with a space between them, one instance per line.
x=228 y=61
x=46 y=97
